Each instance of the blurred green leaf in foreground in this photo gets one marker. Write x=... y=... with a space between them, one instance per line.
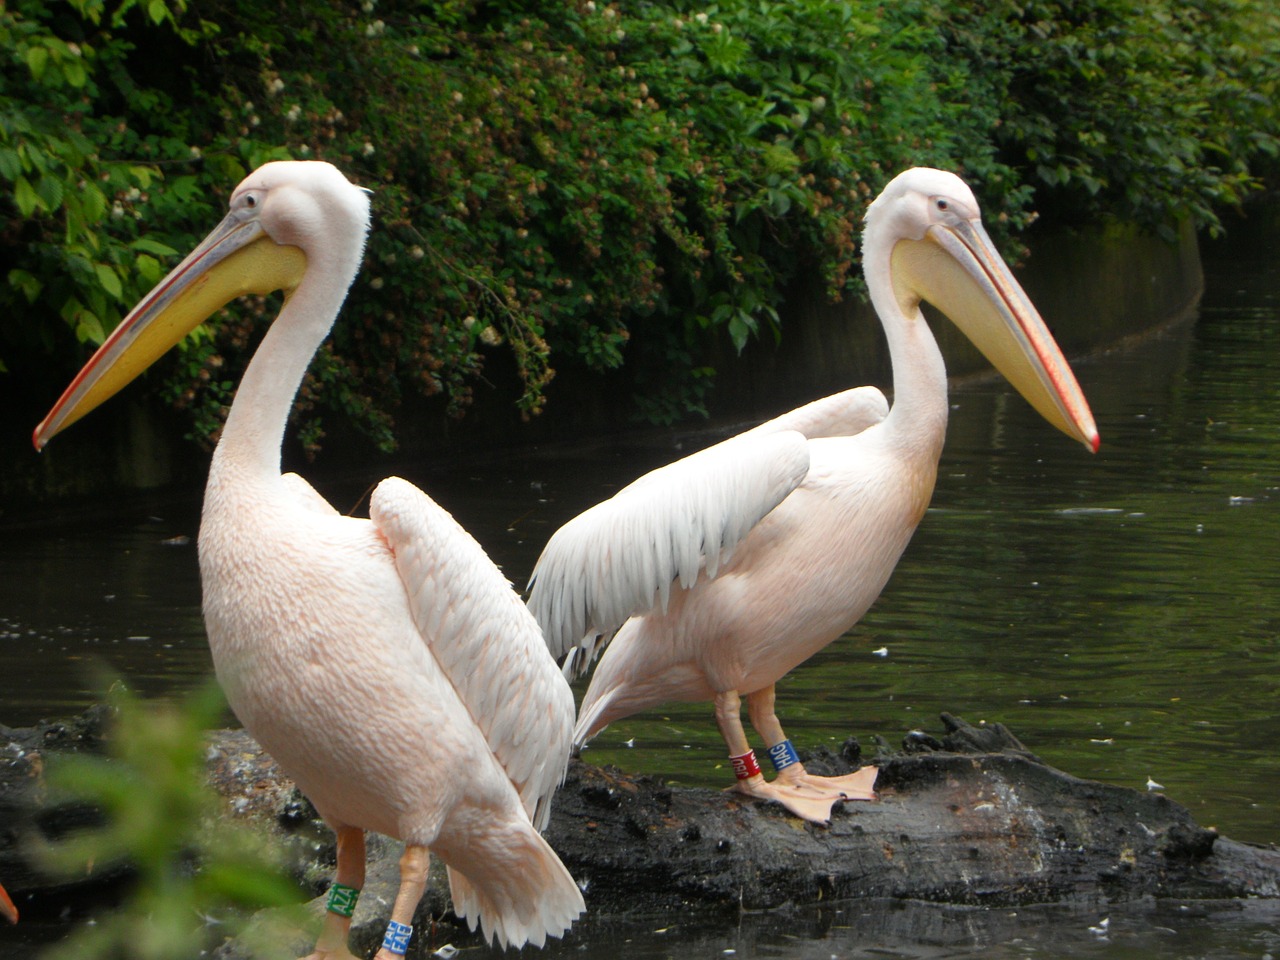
x=197 y=872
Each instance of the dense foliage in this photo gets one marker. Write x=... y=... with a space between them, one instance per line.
x=558 y=179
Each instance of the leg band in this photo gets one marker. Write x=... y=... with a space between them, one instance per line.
x=397 y=939
x=783 y=755
x=745 y=766
x=342 y=900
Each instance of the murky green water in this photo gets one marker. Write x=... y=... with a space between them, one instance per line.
x=1120 y=613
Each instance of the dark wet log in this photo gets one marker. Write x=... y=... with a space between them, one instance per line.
x=25 y=812
x=969 y=817
x=951 y=826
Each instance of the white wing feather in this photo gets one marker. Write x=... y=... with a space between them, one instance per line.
x=844 y=414
x=485 y=640
x=620 y=558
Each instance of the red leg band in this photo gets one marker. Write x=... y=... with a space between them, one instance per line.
x=745 y=766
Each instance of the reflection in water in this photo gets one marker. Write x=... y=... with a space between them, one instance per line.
x=1119 y=612
x=123 y=594
x=921 y=931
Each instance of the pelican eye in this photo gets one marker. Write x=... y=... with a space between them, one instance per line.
x=942 y=204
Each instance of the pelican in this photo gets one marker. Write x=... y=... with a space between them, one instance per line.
x=385 y=663
x=725 y=570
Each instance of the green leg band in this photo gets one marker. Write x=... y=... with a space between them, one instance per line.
x=342 y=900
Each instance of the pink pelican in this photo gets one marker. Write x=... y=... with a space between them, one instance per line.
x=386 y=664
x=723 y=571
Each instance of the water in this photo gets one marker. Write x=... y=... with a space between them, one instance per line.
x=1118 y=612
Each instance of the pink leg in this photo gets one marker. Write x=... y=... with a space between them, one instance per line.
x=413 y=880
x=799 y=799
x=858 y=785
x=332 y=942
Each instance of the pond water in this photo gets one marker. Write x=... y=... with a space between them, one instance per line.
x=1118 y=612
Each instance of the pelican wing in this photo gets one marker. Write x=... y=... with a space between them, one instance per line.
x=620 y=558
x=484 y=638
x=843 y=414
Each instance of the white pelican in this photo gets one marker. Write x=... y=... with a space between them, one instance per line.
x=386 y=664
x=782 y=537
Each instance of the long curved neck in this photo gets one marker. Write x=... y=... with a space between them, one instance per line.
x=254 y=432
x=918 y=417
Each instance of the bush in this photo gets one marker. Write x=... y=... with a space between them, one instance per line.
x=1124 y=109
x=556 y=180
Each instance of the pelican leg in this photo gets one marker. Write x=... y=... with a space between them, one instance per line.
x=800 y=799
x=858 y=785
x=413 y=880
x=332 y=942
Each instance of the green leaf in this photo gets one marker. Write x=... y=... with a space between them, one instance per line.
x=142 y=175
x=779 y=158
x=25 y=196
x=28 y=285
x=73 y=69
x=37 y=60
x=109 y=279
x=89 y=328
x=94 y=203
x=148 y=268
x=154 y=247
x=10 y=164
x=50 y=191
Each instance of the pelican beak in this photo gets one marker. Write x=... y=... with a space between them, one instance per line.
x=956 y=267
x=7 y=909
x=236 y=259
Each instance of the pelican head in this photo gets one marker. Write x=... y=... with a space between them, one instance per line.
x=268 y=240
x=937 y=250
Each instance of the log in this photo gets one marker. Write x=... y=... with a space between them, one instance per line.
x=973 y=819
x=969 y=817
x=25 y=812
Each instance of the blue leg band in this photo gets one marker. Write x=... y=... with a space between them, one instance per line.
x=783 y=755
x=397 y=939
